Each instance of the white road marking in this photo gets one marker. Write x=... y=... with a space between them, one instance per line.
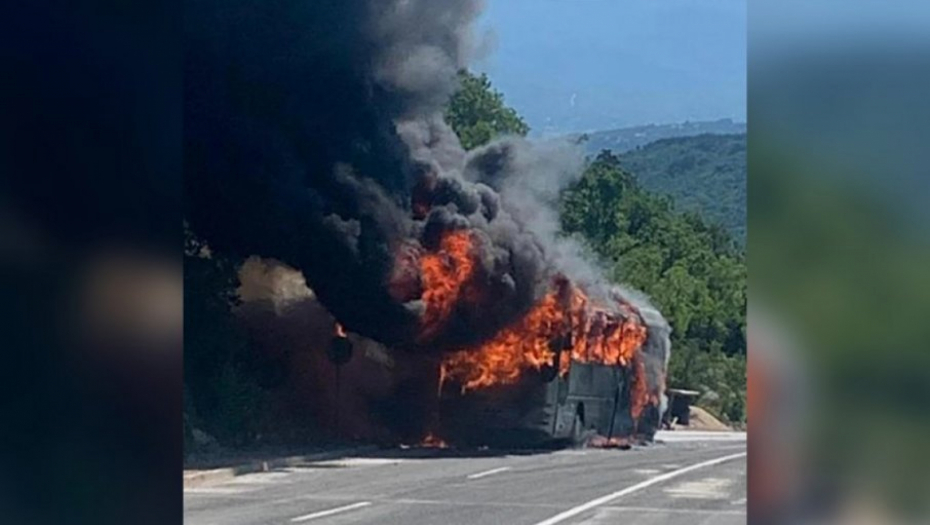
x=448 y=503
x=480 y=475
x=361 y=462
x=676 y=511
x=559 y=518
x=678 y=436
x=330 y=512
x=707 y=488
x=647 y=471
x=259 y=478
x=219 y=491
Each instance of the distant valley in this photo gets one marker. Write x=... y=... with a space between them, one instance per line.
x=701 y=165
x=626 y=139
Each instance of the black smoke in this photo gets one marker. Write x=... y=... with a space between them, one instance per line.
x=309 y=127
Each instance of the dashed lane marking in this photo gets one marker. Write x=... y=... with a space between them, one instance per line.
x=491 y=472
x=707 y=488
x=707 y=512
x=330 y=512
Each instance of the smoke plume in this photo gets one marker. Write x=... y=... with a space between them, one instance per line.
x=315 y=144
x=314 y=136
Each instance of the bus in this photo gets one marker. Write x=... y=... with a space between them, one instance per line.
x=591 y=401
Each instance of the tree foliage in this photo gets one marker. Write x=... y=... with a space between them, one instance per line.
x=705 y=174
x=222 y=397
x=478 y=114
x=691 y=270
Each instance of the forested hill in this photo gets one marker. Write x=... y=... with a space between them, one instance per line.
x=705 y=174
x=626 y=139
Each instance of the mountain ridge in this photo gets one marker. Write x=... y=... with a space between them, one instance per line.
x=622 y=140
x=704 y=174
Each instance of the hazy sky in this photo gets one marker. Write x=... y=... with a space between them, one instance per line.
x=578 y=65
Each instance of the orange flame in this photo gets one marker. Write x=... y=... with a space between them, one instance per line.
x=603 y=336
x=596 y=336
x=433 y=441
x=444 y=273
x=620 y=442
x=502 y=360
x=639 y=393
x=565 y=326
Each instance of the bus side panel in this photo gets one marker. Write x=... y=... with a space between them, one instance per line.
x=501 y=416
x=597 y=389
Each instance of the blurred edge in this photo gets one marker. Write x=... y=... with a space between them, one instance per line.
x=90 y=216
x=90 y=237
x=839 y=253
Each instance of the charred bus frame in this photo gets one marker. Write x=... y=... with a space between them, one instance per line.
x=546 y=407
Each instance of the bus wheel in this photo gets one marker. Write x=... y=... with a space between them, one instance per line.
x=577 y=431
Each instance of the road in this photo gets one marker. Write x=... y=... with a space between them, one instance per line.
x=687 y=478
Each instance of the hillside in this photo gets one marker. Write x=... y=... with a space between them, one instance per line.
x=704 y=174
x=626 y=139
x=690 y=269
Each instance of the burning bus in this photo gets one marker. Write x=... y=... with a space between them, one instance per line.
x=594 y=389
x=568 y=372
x=452 y=260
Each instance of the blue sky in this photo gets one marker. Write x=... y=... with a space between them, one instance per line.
x=581 y=65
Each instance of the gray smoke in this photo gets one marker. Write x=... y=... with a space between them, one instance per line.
x=314 y=136
x=656 y=351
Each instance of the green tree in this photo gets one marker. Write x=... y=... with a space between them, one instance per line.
x=705 y=174
x=478 y=114
x=221 y=395
x=693 y=272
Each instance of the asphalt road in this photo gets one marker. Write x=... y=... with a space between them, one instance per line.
x=689 y=478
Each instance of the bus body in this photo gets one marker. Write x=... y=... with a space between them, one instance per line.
x=592 y=399
x=544 y=407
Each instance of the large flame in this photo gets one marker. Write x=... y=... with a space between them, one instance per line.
x=563 y=327
x=610 y=336
x=563 y=320
x=444 y=274
x=515 y=349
